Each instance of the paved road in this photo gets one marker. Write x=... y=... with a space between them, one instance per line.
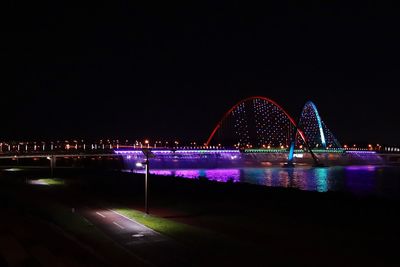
x=146 y=244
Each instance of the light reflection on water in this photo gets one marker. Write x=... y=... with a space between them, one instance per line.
x=219 y=175
x=311 y=179
x=356 y=179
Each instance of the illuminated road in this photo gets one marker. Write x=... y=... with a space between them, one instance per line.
x=147 y=245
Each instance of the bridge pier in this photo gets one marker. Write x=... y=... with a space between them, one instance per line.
x=290 y=163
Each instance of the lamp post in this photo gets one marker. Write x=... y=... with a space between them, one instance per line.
x=146 y=192
x=148 y=154
x=52 y=160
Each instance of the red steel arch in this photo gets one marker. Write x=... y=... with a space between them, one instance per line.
x=251 y=98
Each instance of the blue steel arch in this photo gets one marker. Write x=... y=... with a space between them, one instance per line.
x=320 y=127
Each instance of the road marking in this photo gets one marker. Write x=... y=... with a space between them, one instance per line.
x=98 y=213
x=138 y=235
x=120 y=226
x=142 y=225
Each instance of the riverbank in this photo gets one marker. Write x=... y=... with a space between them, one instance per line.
x=233 y=224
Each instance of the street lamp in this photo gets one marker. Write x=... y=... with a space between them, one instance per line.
x=148 y=154
x=52 y=165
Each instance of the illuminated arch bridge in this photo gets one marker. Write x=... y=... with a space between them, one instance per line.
x=260 y=123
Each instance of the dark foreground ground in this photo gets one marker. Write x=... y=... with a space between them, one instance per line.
x=214 y=224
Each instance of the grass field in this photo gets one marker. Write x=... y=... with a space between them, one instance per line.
x=52 y=181
x=184 y=233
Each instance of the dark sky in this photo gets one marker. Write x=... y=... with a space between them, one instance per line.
x=118 y=69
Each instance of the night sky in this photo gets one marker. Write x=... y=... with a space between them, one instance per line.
x=171 y=70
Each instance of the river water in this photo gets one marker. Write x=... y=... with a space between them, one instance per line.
x=360 y=180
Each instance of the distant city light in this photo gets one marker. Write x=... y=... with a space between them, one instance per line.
x=139 y=164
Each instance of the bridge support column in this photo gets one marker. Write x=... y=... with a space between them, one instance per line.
x=290 y=163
